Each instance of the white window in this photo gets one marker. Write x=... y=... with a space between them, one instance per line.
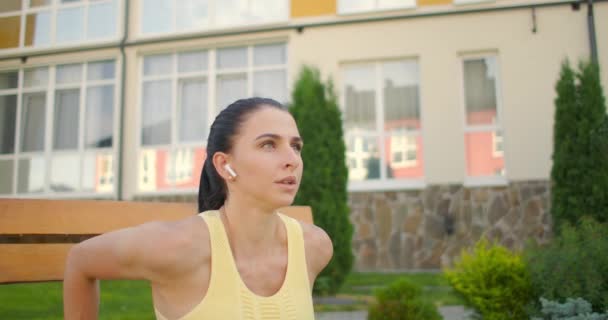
x=168 y=16
x=382 y=124
x=182 y=92
x=482 y=129
x=45 y=23
x=359 y=6
x=57 y=129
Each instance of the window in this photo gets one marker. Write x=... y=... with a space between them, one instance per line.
x=358 y=6
x=44 y=23
x=181 y=94
x=483 y=132
x=382 y=122
x=167 y=16
x=58 y=129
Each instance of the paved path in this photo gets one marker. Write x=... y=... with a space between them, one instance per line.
x=448 y=313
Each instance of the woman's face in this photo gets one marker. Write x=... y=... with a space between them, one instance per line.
x=266 y=157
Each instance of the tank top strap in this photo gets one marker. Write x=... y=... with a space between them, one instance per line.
x=298 y=270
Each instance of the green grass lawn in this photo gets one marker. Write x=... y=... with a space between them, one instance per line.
x=133 y=300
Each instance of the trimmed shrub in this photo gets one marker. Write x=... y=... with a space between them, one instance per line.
x=572 y=309
x=574 y=264
x=325 y=176
x=493 y=280
x=402 y=301
x=580 y=170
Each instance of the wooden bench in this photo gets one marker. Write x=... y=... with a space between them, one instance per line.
x=36 y=235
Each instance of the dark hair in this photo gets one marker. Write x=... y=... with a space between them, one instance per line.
x=212 y=190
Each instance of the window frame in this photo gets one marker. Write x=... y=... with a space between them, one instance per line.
x=482 y=181
x=48 y=152
x=213 y=109
x=384 y=183
x=212 y=28
x=53 y=10
x=342 y=12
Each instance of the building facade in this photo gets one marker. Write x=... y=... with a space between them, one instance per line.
x=447 y=104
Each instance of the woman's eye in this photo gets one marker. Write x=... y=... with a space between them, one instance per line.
x=297 y=147
x=268 y=145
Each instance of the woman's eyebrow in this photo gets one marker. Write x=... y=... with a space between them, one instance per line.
x=277 y=137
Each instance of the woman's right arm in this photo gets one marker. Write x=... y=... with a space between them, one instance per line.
x=131 y=253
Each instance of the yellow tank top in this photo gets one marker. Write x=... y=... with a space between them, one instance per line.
x=229 y=298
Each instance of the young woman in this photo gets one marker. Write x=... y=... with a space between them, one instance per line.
x=239 y=258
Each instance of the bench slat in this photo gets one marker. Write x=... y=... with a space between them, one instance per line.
x=19 y=216
x=32 y=262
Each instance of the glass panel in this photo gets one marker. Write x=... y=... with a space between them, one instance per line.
x=232 y=58
x=30 y=176
x=37 y=77
x=6 y=176
x=355 y=5
x=65 y=173
x=156 y=113
x=387 y=4
x=185 y=165
x=401 y=101
x=156 y=65
x=363 y=158
x=157 y=16
x=69 y=73
x=268 y=10
x=404 y=156
x=40 y=3
x=10 y=39
x=8 y=118
x=270 y=84
x=70 y=25
x=98 y=173
x=230 y=88
x=9 y=80
x=480 y=91
x=230 y=12
x=270 y=54
x=192 y=110
x=192 y=61
x=10 y=5
x=102 y=20
x=484 y=154
x=192 y=14
x=152 y=172
x=99 y=117
x=65 y=119
x=33 y=114
x=38 y=29
x=101 y=70
x=360 y=109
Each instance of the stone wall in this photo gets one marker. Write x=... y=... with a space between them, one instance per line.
x=427 y=229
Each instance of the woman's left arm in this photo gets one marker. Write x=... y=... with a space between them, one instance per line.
x=319 y=250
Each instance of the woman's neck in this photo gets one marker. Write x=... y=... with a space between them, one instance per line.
x=249 y=227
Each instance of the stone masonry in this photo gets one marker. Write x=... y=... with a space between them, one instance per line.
x=428 y=229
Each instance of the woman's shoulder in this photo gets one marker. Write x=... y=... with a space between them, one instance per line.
x=318 y=246
x=176 y=246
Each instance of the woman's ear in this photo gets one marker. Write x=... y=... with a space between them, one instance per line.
x=220 y=160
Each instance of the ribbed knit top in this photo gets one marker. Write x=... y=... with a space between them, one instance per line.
x=229 y=298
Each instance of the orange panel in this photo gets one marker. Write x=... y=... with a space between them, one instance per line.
x=311 y=8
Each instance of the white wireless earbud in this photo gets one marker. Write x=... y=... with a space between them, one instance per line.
x=230 y=171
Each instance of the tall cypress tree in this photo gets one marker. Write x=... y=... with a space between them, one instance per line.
x=580 y=172
x=325 y=177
